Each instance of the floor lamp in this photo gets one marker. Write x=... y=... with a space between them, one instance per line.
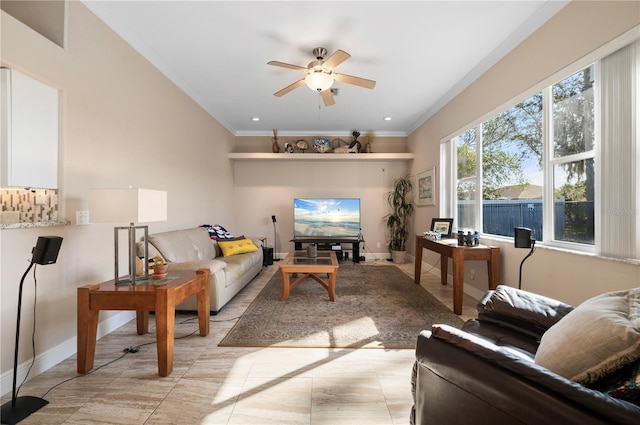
x=45 y=252
x=523 y=239
x=131 y=205
x=275 y=241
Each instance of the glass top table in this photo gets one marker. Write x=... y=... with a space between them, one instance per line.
x=310 y=267
x=300 y=257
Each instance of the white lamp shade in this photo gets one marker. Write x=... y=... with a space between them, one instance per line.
x=131 y=205
x=318 y=80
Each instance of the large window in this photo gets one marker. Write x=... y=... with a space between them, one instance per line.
x=511 y=169
x=536 y=163
x=573 y=157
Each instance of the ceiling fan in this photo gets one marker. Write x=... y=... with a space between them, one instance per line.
x=320 y=75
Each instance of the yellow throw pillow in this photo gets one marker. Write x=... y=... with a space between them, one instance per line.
x=241 y=246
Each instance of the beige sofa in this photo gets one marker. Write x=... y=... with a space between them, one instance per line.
x=193 y=249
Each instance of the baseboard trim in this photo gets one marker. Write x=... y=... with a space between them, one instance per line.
x=55 y=355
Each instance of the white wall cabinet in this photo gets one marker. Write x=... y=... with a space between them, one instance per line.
x=28 y=132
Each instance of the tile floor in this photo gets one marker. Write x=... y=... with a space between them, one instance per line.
x=222 y=385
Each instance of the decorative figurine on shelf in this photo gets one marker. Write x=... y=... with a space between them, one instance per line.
x=352 y=148
x=355 y=142
x=302 y=145
x=275 y=147
x=288 y=148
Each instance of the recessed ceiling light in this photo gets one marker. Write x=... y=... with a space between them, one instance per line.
x=255 y=119
x=387 y=118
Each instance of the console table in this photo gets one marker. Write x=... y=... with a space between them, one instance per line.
x=449 y=248
x=355 y=242
x=162 y=299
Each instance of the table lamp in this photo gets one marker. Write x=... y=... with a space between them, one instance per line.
x=132 y=205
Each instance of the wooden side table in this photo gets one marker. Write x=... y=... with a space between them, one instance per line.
x=448 y=248
x=162 y=299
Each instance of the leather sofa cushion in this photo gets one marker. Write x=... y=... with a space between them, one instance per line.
x=179 y=246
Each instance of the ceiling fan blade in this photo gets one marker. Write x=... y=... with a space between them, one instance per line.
x=287 y=65
x=336 y=59
x=357 y=81
x=289 y=88
x=327 y=97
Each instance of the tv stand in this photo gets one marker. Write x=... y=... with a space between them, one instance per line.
x=355 y=242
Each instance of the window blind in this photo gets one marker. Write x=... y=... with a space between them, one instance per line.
x=619 y=207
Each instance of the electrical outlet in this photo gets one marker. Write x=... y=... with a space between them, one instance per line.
x=472 y=274
x=82 y=217
x=41 y=199
x=377 y=244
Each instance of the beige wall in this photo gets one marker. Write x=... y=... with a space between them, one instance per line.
x=123 y=123
x=575 y=31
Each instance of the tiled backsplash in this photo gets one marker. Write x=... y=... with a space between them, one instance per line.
x=33 y=206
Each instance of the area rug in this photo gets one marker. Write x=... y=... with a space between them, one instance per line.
x=376 y=307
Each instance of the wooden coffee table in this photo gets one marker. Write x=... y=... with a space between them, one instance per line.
x=162 y=299
x=310 y=267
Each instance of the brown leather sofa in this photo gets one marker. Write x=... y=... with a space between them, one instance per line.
x=484 y=373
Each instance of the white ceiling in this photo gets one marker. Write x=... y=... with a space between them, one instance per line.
x=421 y=53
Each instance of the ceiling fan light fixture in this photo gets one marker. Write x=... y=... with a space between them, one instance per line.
x=319 y=80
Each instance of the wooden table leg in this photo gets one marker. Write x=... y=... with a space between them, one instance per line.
x=444 y=268
x=142 y=322
x=417 y=269
x=87 y=331
x=204 y=304
x=458 y=280
x=285 y=286
x=332 y=286
x=493 y=268
x=165 y=322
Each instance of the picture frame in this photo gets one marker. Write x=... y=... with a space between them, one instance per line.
x=444 y=226
x=426 y=187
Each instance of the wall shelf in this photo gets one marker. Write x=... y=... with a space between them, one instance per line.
x=312 y=156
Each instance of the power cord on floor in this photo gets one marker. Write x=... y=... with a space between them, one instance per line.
x=128 y=350
x=432 y=267
x=365 y=248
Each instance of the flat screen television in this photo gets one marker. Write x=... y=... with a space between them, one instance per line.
x=326 y=218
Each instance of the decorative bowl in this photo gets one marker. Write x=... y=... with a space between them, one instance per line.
x=321 y=145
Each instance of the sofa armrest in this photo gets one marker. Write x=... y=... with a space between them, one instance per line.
x=520 y=310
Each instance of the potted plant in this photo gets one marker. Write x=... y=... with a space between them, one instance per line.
x=160 y=269
x=399 y=219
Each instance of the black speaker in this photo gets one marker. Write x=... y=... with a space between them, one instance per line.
x=46 y=250
x=522 y=237
x=267 y=256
